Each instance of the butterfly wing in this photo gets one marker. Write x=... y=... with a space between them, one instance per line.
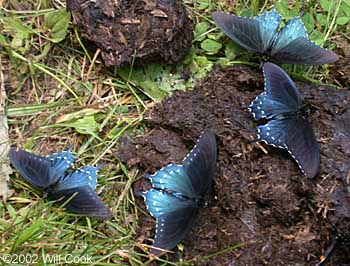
x=194 y=177
x=40 y=171
x=172 y=177
x=86 y=176
x=60 y=161
x=82 y=200
x=297 y=136
x=280 y=94
x=292 y=46
x=254 y=34
x=200 y=163
x=174 y=218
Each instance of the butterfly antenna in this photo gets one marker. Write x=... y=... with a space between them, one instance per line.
x=98 y=167
x=328 y=253
x=70 y=148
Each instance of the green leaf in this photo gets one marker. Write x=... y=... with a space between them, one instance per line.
x=29 y=232
x=200 y=30
x=17 y=26
x=203 y=4
x=86 y=125
x=342 y=20
x=210 y=46
x=282 y=7
x=322 y=19
x=155 y=80
x=326 y=5
x=232 y=50
x=309 y=22
x=317 y=37
x=57 y=23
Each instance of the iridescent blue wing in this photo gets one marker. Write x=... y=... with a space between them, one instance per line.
x=60 y=162
x=254 y=34
x=296 y=135
x=41 y=171
x=280 y=94
x=194 y=177
x=86 y=176
x=82 y=200
x=200 y=163
x=292 y=46
x=172 y=177
x=174 y=218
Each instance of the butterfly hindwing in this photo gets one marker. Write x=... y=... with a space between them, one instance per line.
x=82 y=200
x=174 y=217
x=172 y=227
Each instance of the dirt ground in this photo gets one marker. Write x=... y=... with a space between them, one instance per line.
x=149 y=30
x=261 y=200
x=340 y=71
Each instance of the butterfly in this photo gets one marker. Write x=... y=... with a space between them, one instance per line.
x=340 y=239
x=287 y=127
x=178 y=192
x=51 y=175
x=261 y=34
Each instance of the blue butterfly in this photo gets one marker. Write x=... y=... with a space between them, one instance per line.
x=261 y=34
x=178 y=192
x=287 y=128
x=340 y=239
x=50 y=175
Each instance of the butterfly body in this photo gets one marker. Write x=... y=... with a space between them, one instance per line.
x=51 y=175
x=287 y=127
x=178 y=192
x=262 y=35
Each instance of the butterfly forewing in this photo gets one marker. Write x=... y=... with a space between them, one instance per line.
x=200 y=163
x=302 y=144
x=244 y=31
x=280 y=94
x=35 y=169
x=82 y=200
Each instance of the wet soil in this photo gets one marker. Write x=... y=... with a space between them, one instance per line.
x=147 y=30
x=258 y=199
x=339 y=72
